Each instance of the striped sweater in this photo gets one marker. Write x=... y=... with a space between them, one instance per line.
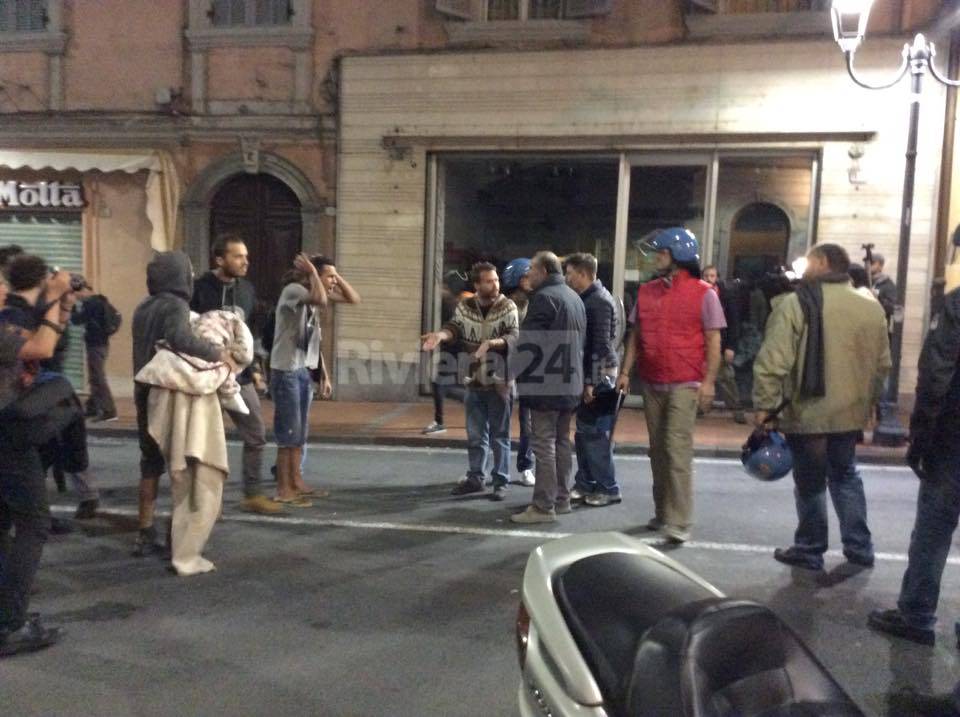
x=469 y=328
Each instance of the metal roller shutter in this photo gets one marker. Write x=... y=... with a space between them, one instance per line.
x=59 y=240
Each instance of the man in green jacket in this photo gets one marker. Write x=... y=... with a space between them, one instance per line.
x=825 y=355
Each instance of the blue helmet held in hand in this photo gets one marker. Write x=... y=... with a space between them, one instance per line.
x=681 y=243
x=766 y=455
x=513 y=273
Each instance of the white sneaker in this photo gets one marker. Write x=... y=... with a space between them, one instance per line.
x=527 y=478
x=434 y=428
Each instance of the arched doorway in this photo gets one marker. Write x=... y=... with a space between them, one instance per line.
x=759 y=239
x=267 y=214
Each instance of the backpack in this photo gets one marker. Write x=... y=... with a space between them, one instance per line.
x=112 y=319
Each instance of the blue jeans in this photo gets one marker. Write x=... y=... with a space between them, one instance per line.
x=525 y=449
x=595 y=471
x=292 y=393
x=821 y=461
x=488 y=422
x=938 y=506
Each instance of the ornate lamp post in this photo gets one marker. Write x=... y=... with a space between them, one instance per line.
x=849 y=26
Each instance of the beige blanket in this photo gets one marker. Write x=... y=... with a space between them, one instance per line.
x=189 y=431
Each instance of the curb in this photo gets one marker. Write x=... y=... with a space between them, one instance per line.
x=887 y=458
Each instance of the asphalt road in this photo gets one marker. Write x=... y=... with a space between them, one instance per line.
x=392 y=598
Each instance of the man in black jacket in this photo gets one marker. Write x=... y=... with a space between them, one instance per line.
x=91 y=313
x=548 y=363
x=883 y=287
x=934 y=455
x=596 y=481
x=67 y=452
x=162 y=316
x=227 y=288
x=727 y=386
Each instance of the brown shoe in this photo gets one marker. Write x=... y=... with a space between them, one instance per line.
x=262 y=505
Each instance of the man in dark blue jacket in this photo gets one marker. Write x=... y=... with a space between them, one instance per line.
x=547 y=360
x=596 y=482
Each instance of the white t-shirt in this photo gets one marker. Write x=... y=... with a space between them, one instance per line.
x=296 y=338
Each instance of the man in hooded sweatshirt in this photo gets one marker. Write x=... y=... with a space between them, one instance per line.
x=163 y=316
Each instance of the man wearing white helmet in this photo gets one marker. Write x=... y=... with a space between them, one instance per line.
x=675 y=347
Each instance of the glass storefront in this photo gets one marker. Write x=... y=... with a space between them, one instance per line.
x=752 y=211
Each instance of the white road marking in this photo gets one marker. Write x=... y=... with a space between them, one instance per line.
x=478 y=531
x=427 y=450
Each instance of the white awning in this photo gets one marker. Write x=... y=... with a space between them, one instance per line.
x=163 y=184
x=82 y=161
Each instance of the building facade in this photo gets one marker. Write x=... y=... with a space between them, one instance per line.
x=411 y=138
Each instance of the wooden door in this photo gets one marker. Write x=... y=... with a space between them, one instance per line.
x=266 y=213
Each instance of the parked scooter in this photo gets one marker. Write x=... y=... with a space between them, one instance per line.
x=610 y=627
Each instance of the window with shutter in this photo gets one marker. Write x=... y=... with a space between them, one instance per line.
x=23 y=15
x=575 y=9
x=460 y=9
x=253 y=23
x=250 y=13
x=498 y=10
x=750 y=7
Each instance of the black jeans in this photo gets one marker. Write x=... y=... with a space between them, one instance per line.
x=24 y=508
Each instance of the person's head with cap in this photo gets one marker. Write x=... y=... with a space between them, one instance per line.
x=673 y=249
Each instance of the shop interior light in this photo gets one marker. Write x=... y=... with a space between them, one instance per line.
x=850 y=22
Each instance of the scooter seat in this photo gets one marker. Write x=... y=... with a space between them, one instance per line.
x=723 y=658
x=609 y=601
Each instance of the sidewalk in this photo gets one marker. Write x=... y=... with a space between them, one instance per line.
x=399 y=424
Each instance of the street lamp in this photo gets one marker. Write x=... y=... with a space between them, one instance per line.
x=849 y=26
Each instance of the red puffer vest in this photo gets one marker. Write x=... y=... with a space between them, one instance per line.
x=671 y=347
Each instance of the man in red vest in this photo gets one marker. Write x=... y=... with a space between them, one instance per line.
x=675 y=346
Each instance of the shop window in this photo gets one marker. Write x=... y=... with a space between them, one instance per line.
x=764 y=207
x=758 y=241
x=239 y=13
x=499 y=208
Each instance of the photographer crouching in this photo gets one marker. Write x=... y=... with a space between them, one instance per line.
x=34 y=406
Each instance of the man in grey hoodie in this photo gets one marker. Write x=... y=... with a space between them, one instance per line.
x=163 y=316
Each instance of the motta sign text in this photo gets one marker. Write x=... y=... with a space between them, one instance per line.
x=44 y=195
